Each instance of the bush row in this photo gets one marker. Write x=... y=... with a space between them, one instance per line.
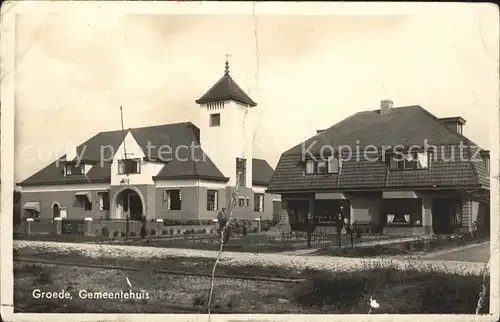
x=153 y=232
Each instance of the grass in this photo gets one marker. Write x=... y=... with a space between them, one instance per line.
x=412 y=291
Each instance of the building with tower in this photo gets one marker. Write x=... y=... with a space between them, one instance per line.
x=181 y=171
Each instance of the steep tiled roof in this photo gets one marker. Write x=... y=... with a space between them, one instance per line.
x=403 y=126
x=226 y=89
x=173 y=135
x=261 y=172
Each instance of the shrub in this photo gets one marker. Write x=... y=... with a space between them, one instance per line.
x=153 y=232
x=211 y=231
x=164 y=232
x=115 y=233
x=201 y=299
x=422 y=291
x=171 y=231
x=105 y=232
x=123 y=234
x=178 y=231
x=132 y=234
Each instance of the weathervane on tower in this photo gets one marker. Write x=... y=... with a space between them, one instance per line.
x=226 y=69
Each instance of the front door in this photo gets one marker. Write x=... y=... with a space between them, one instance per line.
x=135 y=207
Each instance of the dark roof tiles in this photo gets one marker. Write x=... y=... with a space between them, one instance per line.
x=226 y=89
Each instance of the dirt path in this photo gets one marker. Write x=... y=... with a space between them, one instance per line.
x=242 y=259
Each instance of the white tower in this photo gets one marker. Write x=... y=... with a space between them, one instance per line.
x=226 y=129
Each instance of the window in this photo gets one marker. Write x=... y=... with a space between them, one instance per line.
x=398 y=218
x=241 y=165
x=241 y=202
x=84 y=203
x=333 y=165
x=309 y=166
x=103 y=200
x=73 y=169
x=247 y=202
x=322 y=167
x=173 y=199
x=486 y=161
x=414 y=161
x=215 y=119
x=402 y=212
x=212 y=196
x=258 y=202
x=129 y=166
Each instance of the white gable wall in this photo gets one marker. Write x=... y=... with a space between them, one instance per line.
x=134 y=151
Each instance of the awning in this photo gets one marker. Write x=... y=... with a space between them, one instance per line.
x=32 y=205
x=87 y=194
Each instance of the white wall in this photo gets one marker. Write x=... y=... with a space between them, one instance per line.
x=148 y=169
x=232 y=139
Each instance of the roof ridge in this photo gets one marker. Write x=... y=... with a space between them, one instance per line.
x=146 y=127
x=435 y=118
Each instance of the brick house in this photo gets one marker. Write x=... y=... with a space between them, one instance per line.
x=400 y=170
x=175 y=171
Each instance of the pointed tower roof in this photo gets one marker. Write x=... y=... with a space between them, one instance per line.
x=226 y=89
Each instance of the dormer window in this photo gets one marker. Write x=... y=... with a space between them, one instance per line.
x=215 y=119
x=129 y=166
x=73 y=169
x=309 y=166
x=409 y=162
x=322 y=167
x=330 y=165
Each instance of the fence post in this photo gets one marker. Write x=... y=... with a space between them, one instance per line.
x=127 y=227
x=216 y=226
x=160 y=226
x=87 y=230
x=28 y=225
x=259 y=226
x=58 y=226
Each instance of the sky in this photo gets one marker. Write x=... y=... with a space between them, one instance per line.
x=74 y=70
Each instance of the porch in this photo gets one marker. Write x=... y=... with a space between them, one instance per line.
x=401 y=213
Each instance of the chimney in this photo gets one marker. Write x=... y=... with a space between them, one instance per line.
x=386 y=106
x=455 y=123
x=319 y=131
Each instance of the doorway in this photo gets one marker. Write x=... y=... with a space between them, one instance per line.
x=446 y=215
x=129 y=203
x=56 y=210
